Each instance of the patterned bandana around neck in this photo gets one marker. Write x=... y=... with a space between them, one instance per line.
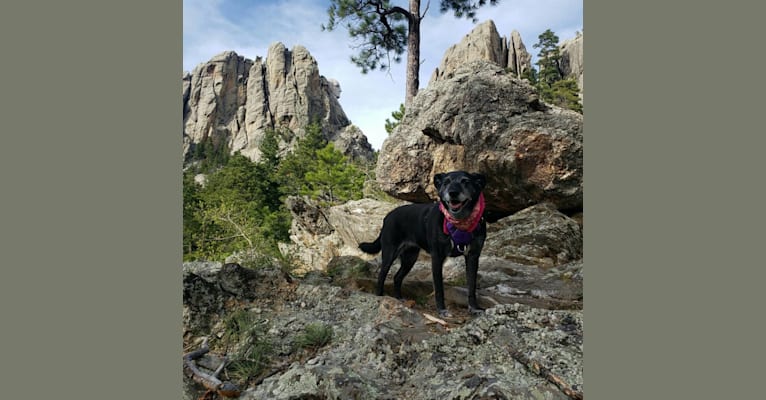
x=465 y=225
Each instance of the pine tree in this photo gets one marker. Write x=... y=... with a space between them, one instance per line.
x=564 y=93
x=333 y=178
x=397 y=115
x=549 y=58
x=549 y=80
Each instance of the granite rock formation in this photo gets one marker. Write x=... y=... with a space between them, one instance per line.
x=572 y=60
x=233 y=100
x=482 y=119
x=485 y=43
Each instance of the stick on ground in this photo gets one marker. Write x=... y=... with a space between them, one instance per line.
x=544 y=372
x=209 y=381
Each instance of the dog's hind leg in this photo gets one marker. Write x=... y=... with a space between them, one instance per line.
x=387 y=258
x=407 y=260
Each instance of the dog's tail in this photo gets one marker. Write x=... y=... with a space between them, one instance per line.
x=371 y=248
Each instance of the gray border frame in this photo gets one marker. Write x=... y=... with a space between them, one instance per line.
x=670 y=220
x=91 y=206
x=91 y=212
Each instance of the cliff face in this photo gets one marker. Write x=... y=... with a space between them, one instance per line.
x=572 y=60
x=233 y=100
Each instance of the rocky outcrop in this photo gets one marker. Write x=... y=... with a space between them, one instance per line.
x=572 y=60
x=351 y=141
x=482 y=43
x=527 y=345
x=482 y=119
x=531 y=257
x=210 y=287
x=233 y=100
x=380 y=348
x=485 y=43
x=380 y=356
x=519 y=60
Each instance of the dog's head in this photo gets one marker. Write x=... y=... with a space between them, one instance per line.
x=459 y=191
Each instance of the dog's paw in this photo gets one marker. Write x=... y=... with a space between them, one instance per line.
x=445 y=314
x=475 y=310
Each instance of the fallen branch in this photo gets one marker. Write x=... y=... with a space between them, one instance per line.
x=437 y=320
x=544 y=372
x=209 y=381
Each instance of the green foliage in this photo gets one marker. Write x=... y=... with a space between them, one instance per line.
x=379 y=29
x=464 y=8
x=244 y=330
x=398 y=115
x=293 y=168
x=549 y=58
x=240 y=209
x=191 y=204
x=333 y=178
x=208 y=154
x=316 y=169
x=239 y=325
x=549 y=80
x=564 y=93
x=270 y=149
x=530 y=74
x=314 y=336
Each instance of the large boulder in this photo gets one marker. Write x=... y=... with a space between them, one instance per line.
x=318 y=234
x=482 y=119
x=539 y=235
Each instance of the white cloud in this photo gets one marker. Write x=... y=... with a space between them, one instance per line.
x=249 y=27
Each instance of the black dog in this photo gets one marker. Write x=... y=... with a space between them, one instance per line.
x=452 y=227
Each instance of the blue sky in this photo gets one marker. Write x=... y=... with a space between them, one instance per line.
x=250 y=27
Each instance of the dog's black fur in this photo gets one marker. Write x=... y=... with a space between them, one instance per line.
x=409 y=228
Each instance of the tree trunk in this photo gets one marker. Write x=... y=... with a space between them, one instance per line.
x=413 y=53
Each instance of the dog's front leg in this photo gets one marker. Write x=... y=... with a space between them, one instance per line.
x=471 y=273
x=437 y=263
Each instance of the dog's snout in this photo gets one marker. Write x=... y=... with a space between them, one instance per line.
x=453 y=194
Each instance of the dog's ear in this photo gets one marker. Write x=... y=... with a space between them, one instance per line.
x=480 y=180
x=438 y=178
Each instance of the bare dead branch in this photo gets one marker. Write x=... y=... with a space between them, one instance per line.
x=209 y=381
x=426 y=10
x=434 y=319
x=544 y=372
x=239 y=229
